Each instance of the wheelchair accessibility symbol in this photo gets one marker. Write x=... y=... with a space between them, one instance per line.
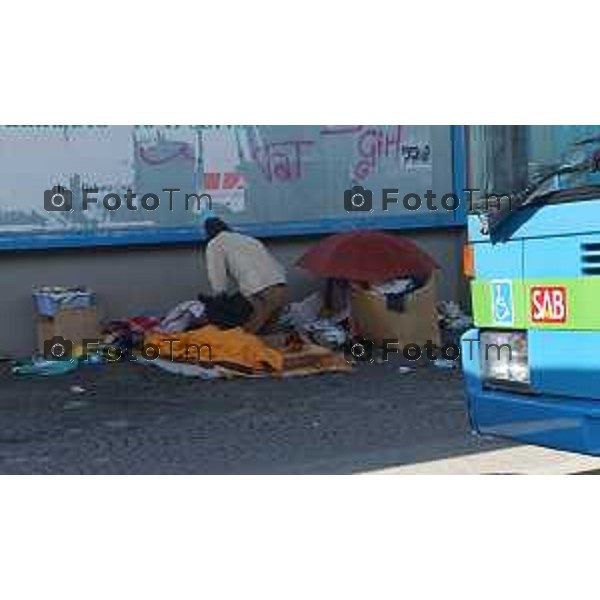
x=502 y=302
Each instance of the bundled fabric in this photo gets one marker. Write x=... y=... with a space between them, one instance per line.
x=299 y=314
x=232 y=348
x=327 y=332
x=324 y=318
x=185 y=316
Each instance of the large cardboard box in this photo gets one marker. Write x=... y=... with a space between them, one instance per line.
x=415 y=325
x=73 y=325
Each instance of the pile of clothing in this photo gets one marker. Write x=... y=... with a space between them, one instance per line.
x=207 y=332
x=324 y=318
x=127 y=334
x=222 y=311
x=185 y=316
x=205 y=338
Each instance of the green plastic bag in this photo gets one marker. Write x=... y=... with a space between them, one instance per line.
x=44 y=368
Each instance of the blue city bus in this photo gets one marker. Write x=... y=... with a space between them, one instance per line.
x=532 y=360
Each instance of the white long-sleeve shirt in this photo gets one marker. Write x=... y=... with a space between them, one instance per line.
x=243 y=259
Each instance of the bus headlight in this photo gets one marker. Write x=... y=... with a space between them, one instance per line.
x=504 y=357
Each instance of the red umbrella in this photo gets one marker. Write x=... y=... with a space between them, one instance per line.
x=369 y=256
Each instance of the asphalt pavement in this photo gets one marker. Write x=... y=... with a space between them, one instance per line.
x=137 y=419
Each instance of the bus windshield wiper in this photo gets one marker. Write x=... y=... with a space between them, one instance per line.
x=537 y=193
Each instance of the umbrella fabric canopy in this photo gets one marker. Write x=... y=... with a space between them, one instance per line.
x=367 y=256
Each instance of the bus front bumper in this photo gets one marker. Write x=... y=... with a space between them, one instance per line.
x=562 y=407
x=562 y=423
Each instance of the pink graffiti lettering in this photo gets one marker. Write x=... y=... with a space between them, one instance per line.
x=375 y=144
x=362 y=169
x=280 y=161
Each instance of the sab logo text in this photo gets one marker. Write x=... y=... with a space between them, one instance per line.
x=548 y=304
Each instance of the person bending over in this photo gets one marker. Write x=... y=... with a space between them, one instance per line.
x=260 y=278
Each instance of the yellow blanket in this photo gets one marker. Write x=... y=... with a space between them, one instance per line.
x=232 y=347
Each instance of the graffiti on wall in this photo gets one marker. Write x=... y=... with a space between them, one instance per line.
x=281 y=161
x=376 y=145
x=258 y=172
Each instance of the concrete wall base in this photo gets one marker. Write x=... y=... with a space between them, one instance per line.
x=151 y=280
